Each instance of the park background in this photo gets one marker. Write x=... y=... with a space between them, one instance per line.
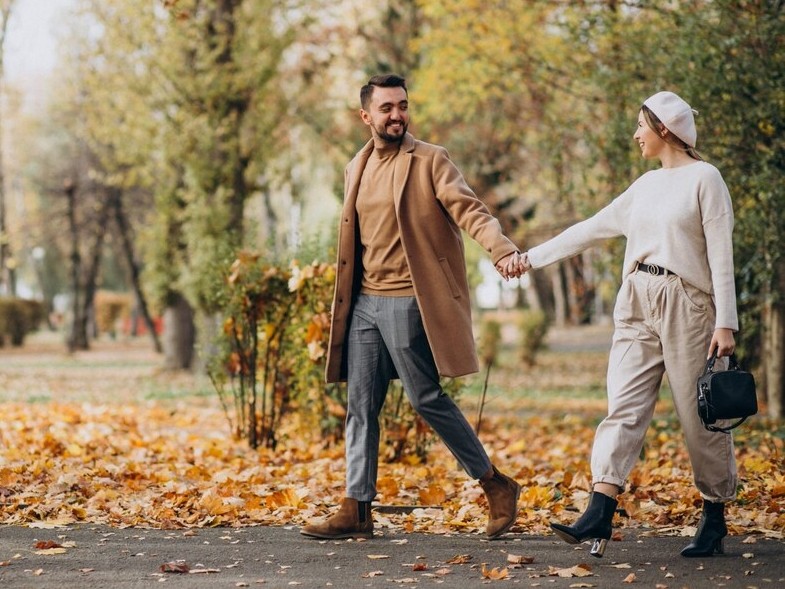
x=170 y=182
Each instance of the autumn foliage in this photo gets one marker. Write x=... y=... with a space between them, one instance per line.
x=100 y=451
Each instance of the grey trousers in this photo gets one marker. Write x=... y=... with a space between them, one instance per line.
x=387 y=333
x=662 y=324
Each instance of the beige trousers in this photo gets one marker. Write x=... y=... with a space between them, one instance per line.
x=661 y=325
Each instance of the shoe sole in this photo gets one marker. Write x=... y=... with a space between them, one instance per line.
x=565 y=536
x=514 y=518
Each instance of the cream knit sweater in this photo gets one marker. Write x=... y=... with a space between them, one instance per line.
x=679 y=218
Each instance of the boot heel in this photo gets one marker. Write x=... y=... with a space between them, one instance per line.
x=598 y=547
x=718 y=547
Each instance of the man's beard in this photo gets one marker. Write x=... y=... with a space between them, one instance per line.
x=390 y=138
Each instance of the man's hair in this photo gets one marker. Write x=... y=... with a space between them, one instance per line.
x=383 y=81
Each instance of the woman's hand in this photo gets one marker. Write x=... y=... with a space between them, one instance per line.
x=723 y=342
x=512 y=265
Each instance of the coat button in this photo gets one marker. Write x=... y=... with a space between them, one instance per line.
x=343 y=262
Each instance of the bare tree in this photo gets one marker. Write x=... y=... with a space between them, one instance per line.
x=7 y=273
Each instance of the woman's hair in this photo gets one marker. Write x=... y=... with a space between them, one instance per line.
x=670 y=138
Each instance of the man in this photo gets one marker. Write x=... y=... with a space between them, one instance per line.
x=401 y=306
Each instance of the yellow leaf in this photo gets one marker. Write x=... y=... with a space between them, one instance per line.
x=433 y=495
x=495 y=574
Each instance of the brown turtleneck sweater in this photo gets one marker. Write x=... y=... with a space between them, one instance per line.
x=385 y=269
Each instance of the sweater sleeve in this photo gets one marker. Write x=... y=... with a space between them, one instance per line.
x=606 y=223
x=717 y=219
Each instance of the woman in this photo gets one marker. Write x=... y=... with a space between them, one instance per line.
x=676 y=299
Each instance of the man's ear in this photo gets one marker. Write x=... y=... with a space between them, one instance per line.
x=365 y=117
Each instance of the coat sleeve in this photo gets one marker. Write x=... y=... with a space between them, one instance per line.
x=466 y=210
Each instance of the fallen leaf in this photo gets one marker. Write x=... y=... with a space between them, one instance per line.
x=460 y=559
x=373 y=574
x=433 y=495
x=420 y=566
x=622 y=565
x=51 y=551
x=579 y=570
x=495 y=574
x=631 y=578
x=175 y=567
x=519 y=559
x=378 y=556
x=47 y=544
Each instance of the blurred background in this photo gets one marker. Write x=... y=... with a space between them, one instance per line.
x=150 y=146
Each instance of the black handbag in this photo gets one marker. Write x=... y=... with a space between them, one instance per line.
x=725 y=394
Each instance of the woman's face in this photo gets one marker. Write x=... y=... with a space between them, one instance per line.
x=650 y=142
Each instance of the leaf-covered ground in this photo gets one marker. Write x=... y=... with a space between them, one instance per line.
x=105 y=436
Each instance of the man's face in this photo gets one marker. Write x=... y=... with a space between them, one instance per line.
x=388 y=114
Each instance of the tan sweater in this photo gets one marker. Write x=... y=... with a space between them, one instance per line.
x=679 y=218
x=385 y=270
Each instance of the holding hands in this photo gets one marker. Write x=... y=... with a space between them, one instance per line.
x=514 y=265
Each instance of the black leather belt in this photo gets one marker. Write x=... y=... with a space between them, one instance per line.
x=654 y=270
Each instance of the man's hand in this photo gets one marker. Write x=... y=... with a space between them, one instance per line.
x=513 y=265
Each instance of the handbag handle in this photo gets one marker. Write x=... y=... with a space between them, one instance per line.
x=733 y=364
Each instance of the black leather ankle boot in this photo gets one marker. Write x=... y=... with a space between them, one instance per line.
x=711 y=531
x=594 y=523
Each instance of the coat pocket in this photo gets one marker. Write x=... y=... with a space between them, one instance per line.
x=445 y=264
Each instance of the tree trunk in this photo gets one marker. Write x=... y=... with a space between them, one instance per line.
x=80 y=329
x=571 y=282
x=179 y=334
x=773 y=352
x=76 y=264
x=123 y=226
x=559 y=301
x=7 y=268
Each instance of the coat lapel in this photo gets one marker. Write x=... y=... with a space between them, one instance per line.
x=402 y=165
x=355 y=174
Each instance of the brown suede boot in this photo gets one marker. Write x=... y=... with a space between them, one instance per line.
x=502 y=493
x=344 y=524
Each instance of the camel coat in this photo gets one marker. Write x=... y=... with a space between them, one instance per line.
x=432 y=204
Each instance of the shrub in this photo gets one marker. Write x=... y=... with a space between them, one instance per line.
x=533 y=326
x=273 y=344
x=18 y=317
x=111 y=307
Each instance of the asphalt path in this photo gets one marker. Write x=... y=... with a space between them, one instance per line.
x=92 y=556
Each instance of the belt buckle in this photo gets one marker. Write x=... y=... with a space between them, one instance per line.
x=653 y=270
